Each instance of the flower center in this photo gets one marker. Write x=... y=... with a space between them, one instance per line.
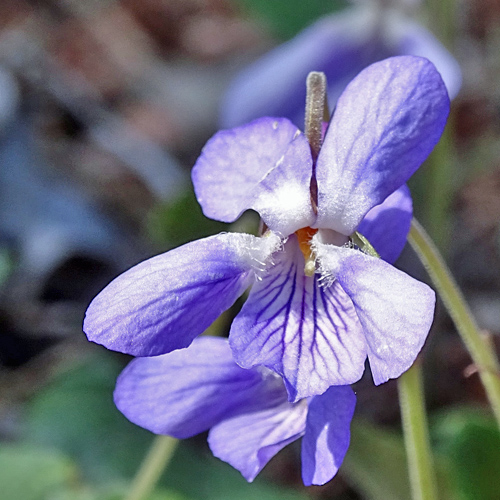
x=304 y=236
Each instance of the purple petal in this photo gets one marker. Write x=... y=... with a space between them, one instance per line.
x=308 y=334
x=386 y=226
x=233 y=162
x=188 y=391
x=283 y=197
x=415 y=40
x=340 y=45
x=396 y=311
x=163 y=303
x=327 y=434
x=249 y=441
x=386 y=123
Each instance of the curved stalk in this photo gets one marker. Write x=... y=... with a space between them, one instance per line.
x=154 y=464
x=480 y=349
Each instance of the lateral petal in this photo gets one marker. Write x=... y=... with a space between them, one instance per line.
x=386 y=226
x=233 y=162
x=386 y=123
x=396 y=311
x=249 y=441
x=283 y=197
x=308 y=334
x=190 y=390
x=327 y=434
x=163 y=303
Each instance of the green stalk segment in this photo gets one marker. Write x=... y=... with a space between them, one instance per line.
x=480 y=349
x=154 y=464
x=416 y=435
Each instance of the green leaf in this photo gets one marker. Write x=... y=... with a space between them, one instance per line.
x=29 y=473
x=6 y=264
x=376 y=464
x=179 y=221
x=200 y=476
x=116 y=492
x=285 y=18
x=33 y=473
x=472 y=441
x=76 y=414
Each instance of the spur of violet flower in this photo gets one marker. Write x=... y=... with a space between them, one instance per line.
x=247 y=411
x=318 y=306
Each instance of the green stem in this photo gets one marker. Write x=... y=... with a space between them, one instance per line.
x=415 y=429
x=480 y=349
x=156 y=460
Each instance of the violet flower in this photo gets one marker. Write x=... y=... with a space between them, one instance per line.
x=318 y=306
x=192 y=390
x=339 y=45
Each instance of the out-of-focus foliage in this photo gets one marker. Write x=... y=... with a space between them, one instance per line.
x=376 y=463
x=113 y=493
x=202 y=477
x=33 y=473
x=382 y=476
x=6 y=264
x=180 y=221
x=471 y=441
x=285 y=18
x=75 y=413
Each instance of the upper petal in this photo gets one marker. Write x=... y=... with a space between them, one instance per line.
x=396 y=311
x=327 y=434
x=188 y=391
x=386 y=226
x=233 y=162
x=249 y=441
x=386 y=123
x=308 y=334
x=412 y=39
x=163 y=303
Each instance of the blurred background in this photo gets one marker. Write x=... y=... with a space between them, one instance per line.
x=104 y=108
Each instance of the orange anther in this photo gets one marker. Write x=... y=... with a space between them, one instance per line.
x=304 y=236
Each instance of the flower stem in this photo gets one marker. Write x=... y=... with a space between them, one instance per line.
x=415 y=429
x=480 y=349
x=154 y=463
